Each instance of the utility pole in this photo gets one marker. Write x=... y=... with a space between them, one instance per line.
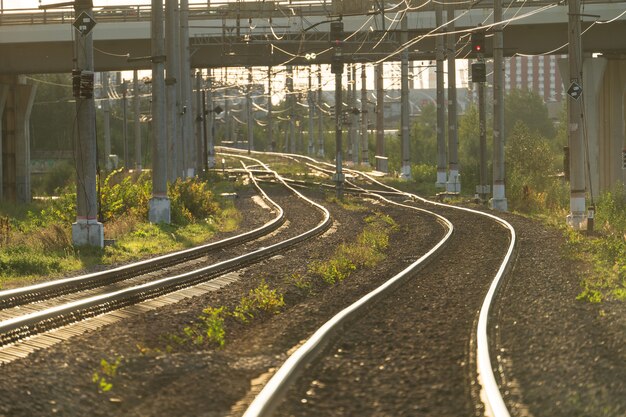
x=498 y=201
x=125 y=123
x=270 y=123
x=320 y=120
x=200 y=125
x=291 y=100
x=159 y=207
x=137 y=115
x=336 y=37
x=187 y=134
x=309 y=96
x=442 y=171
x=87 y=230
x=106 y=107
x=577 y=216
x=249 y=112
x=380 y=119
x=364 y=136
x=454 y=184
x=404 y=98
x=174 y=165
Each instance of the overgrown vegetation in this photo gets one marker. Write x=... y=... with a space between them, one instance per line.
x=366 y=251
x=35 y=240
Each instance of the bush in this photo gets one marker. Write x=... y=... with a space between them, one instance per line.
x=191 y=199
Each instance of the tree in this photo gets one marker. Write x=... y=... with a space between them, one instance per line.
x=528 y=107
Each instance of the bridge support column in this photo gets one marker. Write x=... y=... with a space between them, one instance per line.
x=16 y=107
x=612 y=146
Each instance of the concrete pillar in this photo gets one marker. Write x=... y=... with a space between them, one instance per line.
x=593 y=75
x=4 y=92
x=611 y=130
x=24 y=99
x=159 y=206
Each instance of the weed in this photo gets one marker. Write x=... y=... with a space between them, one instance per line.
x=260 y=300
x=103 y=378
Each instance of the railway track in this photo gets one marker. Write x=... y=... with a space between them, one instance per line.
x=456 y=352
x=32 y=310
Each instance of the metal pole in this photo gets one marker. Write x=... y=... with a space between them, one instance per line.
x=200 y=142
x=320 y=120
x=87 y=230
x=159 y=203
x=453 y=184
x=270 y=125
x=405 y=109
x=291 y=102
x=364 y=135
x=380 y=116
x=137 y=114
x=311 y=116
x=577 y=216
x=249 y=112
x=442 y=172
x=106 y=107
x=482 y=116
x=125 y=123
x=498 y=200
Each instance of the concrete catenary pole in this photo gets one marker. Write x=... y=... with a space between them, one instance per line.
x=320 y=118
x=291 y=100
x=577 y=216
x=199 y=125
x=174 y=155
x=106 y=107
x=271 y=141
x=311 y=104
x=454 y=182
x=498 y=200
x=249 y=118
x=404 y=98
x=87 y=230
x=137 y=115
x=380 y=118
x=442 y=171
x=364 y=136
x=186 y=94
x=159 y=207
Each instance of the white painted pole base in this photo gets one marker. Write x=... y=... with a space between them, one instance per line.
x=88 y=233
x=406 y=172
x=442 y=179
x=159 y=210
x=577 y=219
x=453 y=185
x=498 y=202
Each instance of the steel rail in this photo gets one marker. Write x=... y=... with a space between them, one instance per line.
x=39 y=292
x=268 y=399
x=490 y=392
x=12 y=330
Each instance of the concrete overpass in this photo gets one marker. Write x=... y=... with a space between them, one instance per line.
x=268 y=33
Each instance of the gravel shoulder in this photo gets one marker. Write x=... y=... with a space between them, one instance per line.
x=560 y=357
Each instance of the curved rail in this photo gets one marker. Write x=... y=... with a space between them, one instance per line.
x=38 y=292
x=16 y=328
x=490 y=392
